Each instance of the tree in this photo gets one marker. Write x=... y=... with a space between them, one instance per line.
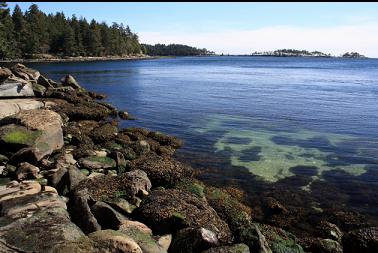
x=33 y=32
x=37 y=36
x=7 y=46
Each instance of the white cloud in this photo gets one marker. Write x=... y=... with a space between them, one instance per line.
x=362 y=38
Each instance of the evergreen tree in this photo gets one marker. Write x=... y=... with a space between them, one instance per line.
x=36 y=32
x=94 y=47
x=7 y=46
x=19 y=30
x=33 y=32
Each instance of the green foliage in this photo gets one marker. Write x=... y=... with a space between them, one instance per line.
x=174 y=50
x=34 y=33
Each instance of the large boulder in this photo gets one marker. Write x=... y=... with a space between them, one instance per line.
x=167 y=211
x=361 y=240
x=33 y=219
x=44 y=125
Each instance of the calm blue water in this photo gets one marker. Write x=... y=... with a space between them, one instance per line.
x=260 y=123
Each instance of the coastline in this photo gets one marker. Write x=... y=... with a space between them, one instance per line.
x=81 y=59
x=65 y=154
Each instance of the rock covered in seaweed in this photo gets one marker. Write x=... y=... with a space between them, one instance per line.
x=167 y=211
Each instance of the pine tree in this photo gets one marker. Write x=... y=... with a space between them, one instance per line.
x=7 y=46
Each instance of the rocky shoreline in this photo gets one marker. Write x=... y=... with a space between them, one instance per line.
x=81 y=59
x=73 y=181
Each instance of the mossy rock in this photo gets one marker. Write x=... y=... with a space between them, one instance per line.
x=236 y=248
x=279 y=240
x=17 y=137
x=192 y=185
x=235 y=214
x=144 y=240
x=97 y=162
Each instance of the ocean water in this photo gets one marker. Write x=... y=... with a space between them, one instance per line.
x=271 y=126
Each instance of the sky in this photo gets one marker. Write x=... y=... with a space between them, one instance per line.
x=239 y=28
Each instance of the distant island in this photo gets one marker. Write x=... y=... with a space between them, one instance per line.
x=304 y=53
x=291 y=52
x=174 y=50
x=353 y=55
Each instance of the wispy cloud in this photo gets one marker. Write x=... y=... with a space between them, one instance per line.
x=361 y=37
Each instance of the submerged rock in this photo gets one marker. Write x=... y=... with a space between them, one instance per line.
x=361 y=240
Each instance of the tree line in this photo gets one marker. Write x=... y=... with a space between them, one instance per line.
x=33 y=33
x=174 y=50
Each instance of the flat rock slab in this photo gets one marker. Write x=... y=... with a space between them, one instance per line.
x=32 y=220
x=12 y=106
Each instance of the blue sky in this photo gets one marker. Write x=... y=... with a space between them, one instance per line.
x=240 y=27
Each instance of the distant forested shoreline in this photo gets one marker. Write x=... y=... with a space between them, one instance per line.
x=32 y=34
x=174 y=50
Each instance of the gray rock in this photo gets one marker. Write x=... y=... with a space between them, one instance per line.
x=13 y=106
x=70 y=180
x=68 y=80
x=81 y=212
x=96 y=163
x=194 y=240
x=34 y=221
x=12 y=87
x=123 y=115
